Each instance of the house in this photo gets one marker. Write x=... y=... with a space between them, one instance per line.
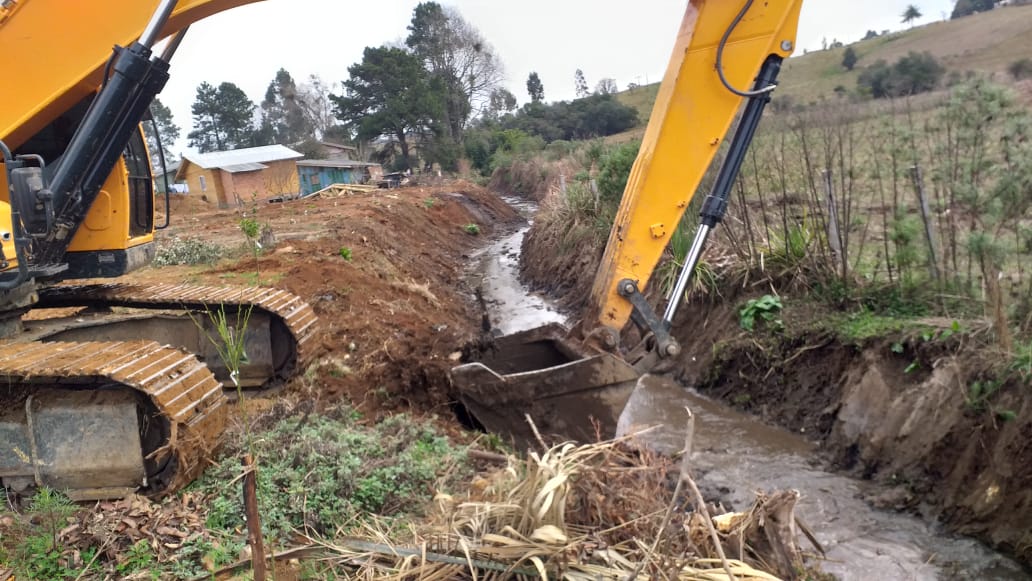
x=331 y=150
x=169 y=177
x=234 y=177
x=316 y=174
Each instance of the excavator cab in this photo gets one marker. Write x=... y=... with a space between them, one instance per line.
x=576 y=384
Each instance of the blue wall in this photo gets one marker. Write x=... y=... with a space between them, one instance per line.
x=313 y=179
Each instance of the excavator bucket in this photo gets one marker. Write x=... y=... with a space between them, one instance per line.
x=567 y=392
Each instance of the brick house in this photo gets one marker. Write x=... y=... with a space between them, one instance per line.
x=234 y=177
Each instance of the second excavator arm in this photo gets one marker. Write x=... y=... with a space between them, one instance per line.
x=722 y=48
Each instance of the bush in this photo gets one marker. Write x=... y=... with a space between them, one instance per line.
x=1021 y=69
x=615 y=169
x=849 y=59
x=188 y=251
x=910 y=75
x=968 y=7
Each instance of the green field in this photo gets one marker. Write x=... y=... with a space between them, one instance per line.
x=984 y=43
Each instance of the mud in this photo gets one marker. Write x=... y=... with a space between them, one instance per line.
x=393 y=315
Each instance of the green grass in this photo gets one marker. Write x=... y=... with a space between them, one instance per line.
x=864 y=325
x=987 y=43
x=321 y=473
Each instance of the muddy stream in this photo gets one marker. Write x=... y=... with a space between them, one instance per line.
x=735 y=455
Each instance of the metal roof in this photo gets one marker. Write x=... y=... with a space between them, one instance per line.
x=341 y=163
x=224 y=159
x=242 y=167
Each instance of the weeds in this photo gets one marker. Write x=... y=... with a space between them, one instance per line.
x=321 y=473
x=766 y=308
x=428 y=203
x=471 y=229
x=345 y=253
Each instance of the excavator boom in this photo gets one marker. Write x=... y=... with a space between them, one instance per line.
x=728 y=52
x=58 y=51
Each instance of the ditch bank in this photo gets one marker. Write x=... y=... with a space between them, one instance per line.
x=898 y=410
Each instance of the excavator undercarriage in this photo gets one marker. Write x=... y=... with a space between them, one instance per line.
x=99 y=405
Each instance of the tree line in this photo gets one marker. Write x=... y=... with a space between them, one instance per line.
x=415 y=101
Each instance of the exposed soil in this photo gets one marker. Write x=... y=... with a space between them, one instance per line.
x=393 y=314
x=872 y=411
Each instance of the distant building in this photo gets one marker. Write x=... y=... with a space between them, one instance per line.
x=170 y=176
x=331 y=150
x=316 y=174
x=234 y=177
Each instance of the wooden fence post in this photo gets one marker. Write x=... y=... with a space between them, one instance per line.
x=254 y=520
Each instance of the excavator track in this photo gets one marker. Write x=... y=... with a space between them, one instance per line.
x=283 y=324
x=103 y=419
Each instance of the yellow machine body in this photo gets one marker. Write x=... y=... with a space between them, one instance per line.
x=692 y=114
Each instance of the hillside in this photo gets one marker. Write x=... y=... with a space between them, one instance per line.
x=986 y=43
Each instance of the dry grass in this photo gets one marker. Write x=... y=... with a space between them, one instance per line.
x=569 y=512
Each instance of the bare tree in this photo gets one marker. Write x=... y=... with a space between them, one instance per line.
x=457 y=55
x=606 y=87
x=314 y=98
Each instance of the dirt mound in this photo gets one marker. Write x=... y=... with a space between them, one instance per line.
x=383 y=273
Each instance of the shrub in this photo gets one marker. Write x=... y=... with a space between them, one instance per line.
x=1021 y=69
x=615 y=169
x=471 y=229
x=849 y=58
x=188 y=251
x=910 y=75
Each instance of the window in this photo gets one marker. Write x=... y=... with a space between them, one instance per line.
x=204 y=184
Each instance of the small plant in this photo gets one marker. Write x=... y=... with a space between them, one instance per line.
x=429 y=203
x=471 y=229
x=345 y=253
x=139 y=559
x=978 y=396
x=251 y=228
x=766 y=308
x=35 y=552
x=1022 y=360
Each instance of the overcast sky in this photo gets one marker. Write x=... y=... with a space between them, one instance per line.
x=625 y=40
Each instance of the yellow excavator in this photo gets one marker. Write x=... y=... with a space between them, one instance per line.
x=114 y=398
x=126 y=395
x=575 y=384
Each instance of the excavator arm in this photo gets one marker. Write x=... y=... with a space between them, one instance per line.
x=57 y=51
x=728 y=53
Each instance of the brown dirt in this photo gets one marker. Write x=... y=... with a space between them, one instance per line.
x=391 y=316
x=915 y=431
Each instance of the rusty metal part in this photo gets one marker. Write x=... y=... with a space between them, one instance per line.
x=67 y=407
x=279 y=332
x=568 y=392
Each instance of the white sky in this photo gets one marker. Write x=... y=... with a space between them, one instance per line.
x=624 y=40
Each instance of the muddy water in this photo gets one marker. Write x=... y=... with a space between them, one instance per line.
x=511 y=306
x=735 y=455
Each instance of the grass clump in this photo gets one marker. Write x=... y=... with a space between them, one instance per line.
x=321 y=473
x=471 y=229
x=188 y=251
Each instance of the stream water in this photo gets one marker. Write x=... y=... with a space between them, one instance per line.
x=735 y=455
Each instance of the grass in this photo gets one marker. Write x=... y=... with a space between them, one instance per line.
x=471 y=229
x=987 y=43
x=322 y=473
